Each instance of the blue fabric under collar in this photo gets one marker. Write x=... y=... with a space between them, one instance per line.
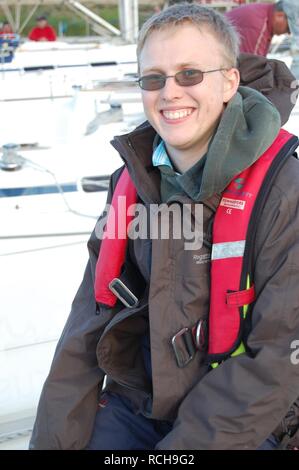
x=160 y=156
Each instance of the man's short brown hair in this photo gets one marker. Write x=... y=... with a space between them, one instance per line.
x=199 y=16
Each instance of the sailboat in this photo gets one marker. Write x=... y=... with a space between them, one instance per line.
x=55 y=164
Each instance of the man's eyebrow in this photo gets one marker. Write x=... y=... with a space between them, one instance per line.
x=177 y=67
x=152 y=69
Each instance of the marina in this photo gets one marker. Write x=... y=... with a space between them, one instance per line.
x=50 y=205
x=63 y=103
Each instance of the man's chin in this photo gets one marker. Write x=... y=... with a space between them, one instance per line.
x=177 y=144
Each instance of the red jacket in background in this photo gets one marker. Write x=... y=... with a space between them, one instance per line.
x=36 y=34
x=254 y=25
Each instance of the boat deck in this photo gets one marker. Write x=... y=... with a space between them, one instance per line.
x=15 y=434
x=16 y=442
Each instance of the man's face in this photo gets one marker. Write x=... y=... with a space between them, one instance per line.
x=6 y=28
x=185 y=117
x=42 y=23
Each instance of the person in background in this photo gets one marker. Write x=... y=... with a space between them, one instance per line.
x=6 y=29
x=257 y=23
x=42 y=31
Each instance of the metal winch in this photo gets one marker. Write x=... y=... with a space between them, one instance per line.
x=10 y=160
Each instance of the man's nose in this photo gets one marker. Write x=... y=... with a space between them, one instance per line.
x=171 y=89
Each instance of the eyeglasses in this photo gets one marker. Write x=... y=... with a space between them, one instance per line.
x=187 y=77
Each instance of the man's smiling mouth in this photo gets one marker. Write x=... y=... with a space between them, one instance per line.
x=176 y=114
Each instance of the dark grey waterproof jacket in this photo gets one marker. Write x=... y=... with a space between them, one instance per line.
x=235 y=406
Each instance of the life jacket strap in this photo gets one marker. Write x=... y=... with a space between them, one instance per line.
x=241 y=297
x=188 y=341
x=123 y=293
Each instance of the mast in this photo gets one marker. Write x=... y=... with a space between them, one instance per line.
x=129 y=21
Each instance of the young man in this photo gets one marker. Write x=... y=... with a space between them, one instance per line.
x=169 y=383
x=258 y=22
x=42 y=31
x=6 y=29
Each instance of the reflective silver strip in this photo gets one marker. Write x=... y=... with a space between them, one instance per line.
x=228 y=250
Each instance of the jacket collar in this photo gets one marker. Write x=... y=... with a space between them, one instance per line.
x=136 y=150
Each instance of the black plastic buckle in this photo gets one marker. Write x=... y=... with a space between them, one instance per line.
x=183 y=346
x=123 y=293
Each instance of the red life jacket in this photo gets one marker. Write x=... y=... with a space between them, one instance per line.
x=109 y=267
x=232 y=289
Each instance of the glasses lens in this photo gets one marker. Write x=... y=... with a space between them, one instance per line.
x=189 y=77
x=152 y=82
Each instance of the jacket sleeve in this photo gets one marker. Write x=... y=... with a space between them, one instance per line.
x=32 y=35
x=250 y=36
x=239 y=404
x=52 y=34
x=68 y=401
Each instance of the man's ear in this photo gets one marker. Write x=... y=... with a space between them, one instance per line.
x=231 y=83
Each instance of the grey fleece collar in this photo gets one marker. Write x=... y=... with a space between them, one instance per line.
x=248 y=126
